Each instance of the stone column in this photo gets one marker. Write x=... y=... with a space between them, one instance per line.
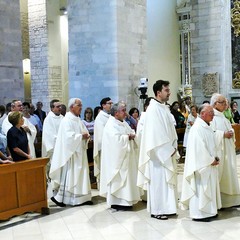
x=11 y=73
x=107 y=49
x=210 y=45
x=38 y=39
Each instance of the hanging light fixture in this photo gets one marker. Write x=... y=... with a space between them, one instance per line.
x=26 y=66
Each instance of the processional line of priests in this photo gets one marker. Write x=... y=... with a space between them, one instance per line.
x=126 y=164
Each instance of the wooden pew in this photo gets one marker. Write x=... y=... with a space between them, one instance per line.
x=236 y=128
x=180 y=133
x=23 y=188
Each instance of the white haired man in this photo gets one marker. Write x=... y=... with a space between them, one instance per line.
x=229 y=186
x=69 y=171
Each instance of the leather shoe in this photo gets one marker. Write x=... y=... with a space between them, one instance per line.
x=121 y=208
x=201 y=219
x=60 y=204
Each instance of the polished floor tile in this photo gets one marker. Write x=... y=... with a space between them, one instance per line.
x=99 y=222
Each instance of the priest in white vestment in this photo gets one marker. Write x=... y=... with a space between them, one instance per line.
x=229 y=185
x=200 y=187
x=157 y=159
x=119 y=161
x=69 y=170
x=28 y=127
x=99 y=124
x=50 y=131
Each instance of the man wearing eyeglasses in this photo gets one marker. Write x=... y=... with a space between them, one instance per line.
x=50 y=131
x=229 y=186
x=99 y=124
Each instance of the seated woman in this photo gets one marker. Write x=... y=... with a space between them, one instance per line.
x=17 y=140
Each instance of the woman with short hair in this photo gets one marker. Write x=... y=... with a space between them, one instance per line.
x=17 y=140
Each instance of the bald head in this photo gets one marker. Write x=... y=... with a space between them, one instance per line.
x=206 y=113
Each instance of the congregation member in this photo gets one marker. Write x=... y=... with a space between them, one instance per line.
x=3 y=115
x=50 y=131
x=96 y=111
x=30 y=118
x=157 y=161
x=5 y=156
x=69 y=171
x=28 y=127
x=234 y=108
x=89 y=123
x=63 y=109
x=190 y=121
x=119 y=161
x=188 y=103
x=179 y=118
x=39 y=112
x=229 y=185
x=17 y=140
x=99 y=124
x=228 y=112
x=183 y=110
x=39 y=123
x=132 y=118
x=4 y=161
x=200 y=186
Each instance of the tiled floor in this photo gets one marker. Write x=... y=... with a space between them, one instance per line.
x=98 y=222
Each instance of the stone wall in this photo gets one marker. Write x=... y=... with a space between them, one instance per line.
x=210 y=45
x=11 y=74
x=38 y=38
x=107 y=49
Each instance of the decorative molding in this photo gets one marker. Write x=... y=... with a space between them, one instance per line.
x=236 y=80
x=210 y=84
x=235 y=15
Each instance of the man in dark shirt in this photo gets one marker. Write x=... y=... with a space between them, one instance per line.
x=39 y=112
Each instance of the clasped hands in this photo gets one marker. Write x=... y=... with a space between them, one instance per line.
x=228 y=134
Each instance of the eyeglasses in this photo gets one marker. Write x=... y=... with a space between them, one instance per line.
x=223 y=102
x=109 y=103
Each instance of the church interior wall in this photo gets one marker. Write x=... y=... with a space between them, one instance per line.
x=163 y=45
x=11 y=73
x=88 y=62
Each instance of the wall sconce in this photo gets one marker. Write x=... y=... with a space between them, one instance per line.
x=26 y=66
x=63 y=11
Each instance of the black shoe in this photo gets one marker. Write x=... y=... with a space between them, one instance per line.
x=159 y=217
x=88 y=203
x=85 y=203
x=201 y=219
x=121 y=208
x=60 y=204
